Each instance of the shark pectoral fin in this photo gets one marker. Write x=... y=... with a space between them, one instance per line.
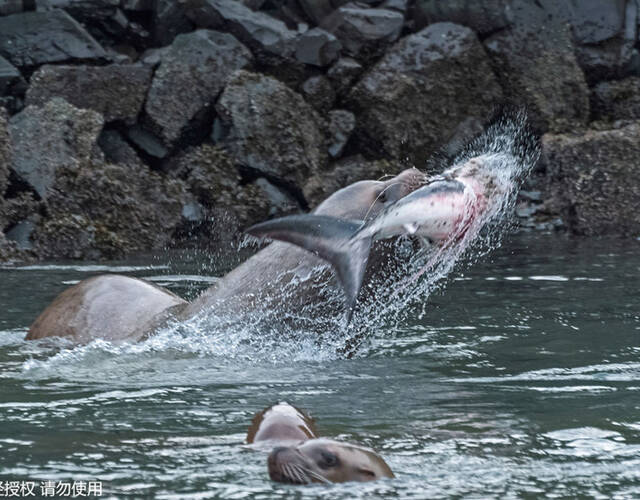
x=329 y=238
x=410 y=228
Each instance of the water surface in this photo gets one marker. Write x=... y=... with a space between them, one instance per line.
x=521 y=380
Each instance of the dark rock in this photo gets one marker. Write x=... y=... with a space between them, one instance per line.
x=462 y=135
x=271 y=128
x=228 y=206
x=341 y=125
x=317 y=10
x=8 y=7
x=399 y=5
x=484 y=17
x=280 y=202
x=616 y=100
x=364 y=32
x=147 y=142
x=8 y=75
x=191 y=74
x=539 y=69
x=593 y=21
x=105 y=211
x=591 y=180
x=116 y=149
x=317 y=47
x=345 y=172
x=318 y=92
x=343 y=73
x=5 y=154
x=170 y=20
x=416 y=96
x=34 y=38
x=21 y=234
x=255 y=29
x=116 y=91
x=51 y=137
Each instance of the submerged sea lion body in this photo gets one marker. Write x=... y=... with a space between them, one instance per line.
x=118 y=308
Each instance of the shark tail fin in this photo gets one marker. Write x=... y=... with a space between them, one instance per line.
x=329 y=238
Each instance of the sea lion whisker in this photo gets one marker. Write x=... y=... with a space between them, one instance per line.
x=300 y=473
x=315 y=475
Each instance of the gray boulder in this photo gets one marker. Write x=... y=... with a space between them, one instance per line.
x=343 y=73
x=616 y=100
x=8 y=75
x=229 y=206
x=591 y=180
x=538 y=68
x=105 y=211
x=317 y=47
x=5 y=155
x=51 y=137
x=115 y=91
x=117 y=150
x=255 y=29
x=192 y=72
x=317 y=10
x=34 y=38
x=364 y=32
x=483 y=17
x=341 y=125
x=271 y=128
x=412 y=101
x=318 y=92
x=169 y=20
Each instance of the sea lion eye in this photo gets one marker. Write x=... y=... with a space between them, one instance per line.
x=328 y=459
x=382 y=197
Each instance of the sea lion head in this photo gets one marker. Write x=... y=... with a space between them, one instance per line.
x=281 y=423
x=326 y=461
x=366 y=199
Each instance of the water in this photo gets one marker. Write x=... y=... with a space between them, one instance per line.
x=521 y=379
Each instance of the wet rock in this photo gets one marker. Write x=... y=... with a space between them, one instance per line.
x=271 y=128
x=51 y=137
x=539 y=69
x=317 y=10
x=317 y=47
x=616 y=100
x=169 y=20
x=484 y=17
x=116 y=91
x=343 y=73
x=21 y=234
x=228 y=206
x=255 y=29
x=34 y=38
x=116 y=149
x=341 y=125
x=318 y=92
x=345 y=172
x=105 y=211
x=8 y=75
x=191 y=74
x=399 y=5
x=8 y=7
x=415 y=97
x=591 y=180
x=5 y=154
x=147 y=142
x=364 y=32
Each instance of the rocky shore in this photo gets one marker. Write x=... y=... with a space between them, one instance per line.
x=134 y=125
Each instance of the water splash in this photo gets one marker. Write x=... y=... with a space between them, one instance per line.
x=282 y=328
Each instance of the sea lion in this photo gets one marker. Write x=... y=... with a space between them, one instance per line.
x=118 y=308
x=326 y=461
x=281 y=425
